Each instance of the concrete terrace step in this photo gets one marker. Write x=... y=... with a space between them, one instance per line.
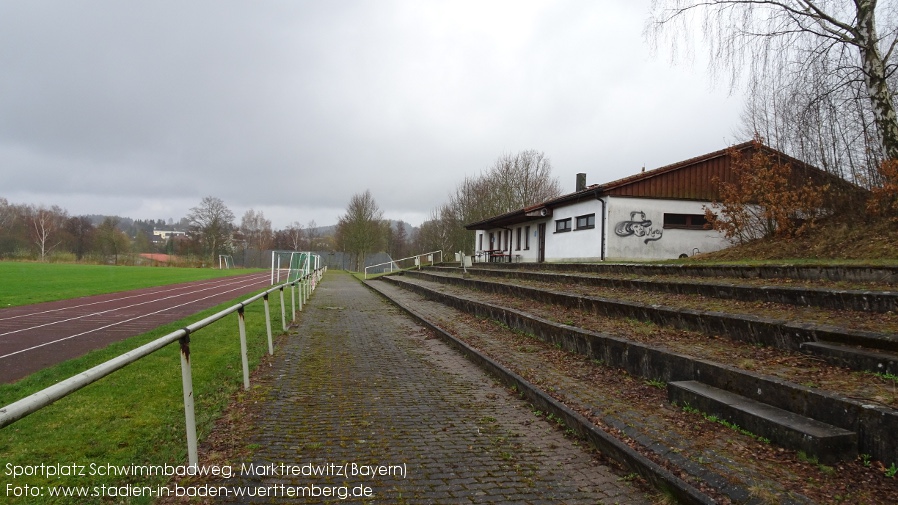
x=780 y=333
x=875 y=424
x=861 y=300
x=817 y=439
x=851 y=273
x=854 y=357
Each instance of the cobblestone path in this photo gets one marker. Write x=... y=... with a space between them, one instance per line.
x=365 y=396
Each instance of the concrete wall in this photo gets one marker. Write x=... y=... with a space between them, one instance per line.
x=635 y=230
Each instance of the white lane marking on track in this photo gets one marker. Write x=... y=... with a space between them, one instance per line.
x=162 y=289
x=111 y=325
x=245 y=282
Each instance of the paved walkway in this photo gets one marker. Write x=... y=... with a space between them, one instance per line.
x=371 y=404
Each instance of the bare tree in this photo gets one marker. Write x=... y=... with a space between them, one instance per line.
x=512 y=182
x=295 y=235
x=7 y=214
x=111 y=240
x=312 y=236
x=818 y=121
x=784 y=40
x=81 y=233
x=212 y=220
x=360 y=230
x=257 y=231
x=516 y=181
x=44 y=224
x=400 y=241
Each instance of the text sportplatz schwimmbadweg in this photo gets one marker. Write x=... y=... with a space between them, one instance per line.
x=345 y=469
x=72 y=472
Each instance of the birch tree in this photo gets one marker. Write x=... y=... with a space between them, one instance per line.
x=295 y=235
x=44 y=223
x=779 y=40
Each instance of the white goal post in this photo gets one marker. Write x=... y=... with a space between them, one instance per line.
x=291 y=265
x=225 y=262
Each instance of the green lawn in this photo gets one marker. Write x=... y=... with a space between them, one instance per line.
x=23 y=283
x=135 y=416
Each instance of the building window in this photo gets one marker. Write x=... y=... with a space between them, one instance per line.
x=685 y=221
x=563 y=225
x=480 y=247
x=586 y=222
x=526 y=238
x=517 y=244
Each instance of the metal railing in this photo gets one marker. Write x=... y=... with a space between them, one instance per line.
x=30 y=404
x=393 y=264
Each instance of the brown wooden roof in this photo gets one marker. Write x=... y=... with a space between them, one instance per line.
x=693 y=179
x=698 y=178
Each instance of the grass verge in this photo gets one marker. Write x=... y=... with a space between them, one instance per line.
x=24 y=283
x=132 y=418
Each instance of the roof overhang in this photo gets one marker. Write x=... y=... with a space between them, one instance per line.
x=535 y=212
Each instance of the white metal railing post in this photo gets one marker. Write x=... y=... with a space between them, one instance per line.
x=189 y=415
x=40 y=399
x=241 y=324
x=293 y=300
x=302 y=292
x=268 y=324
x=283 y=310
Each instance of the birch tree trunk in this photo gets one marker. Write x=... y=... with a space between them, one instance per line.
x=772 y=38
x=875 y=73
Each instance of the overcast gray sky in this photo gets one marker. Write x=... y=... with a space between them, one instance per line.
x=141 y=109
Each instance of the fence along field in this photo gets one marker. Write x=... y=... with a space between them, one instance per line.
x=136 y=415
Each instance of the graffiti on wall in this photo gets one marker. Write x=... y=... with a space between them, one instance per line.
x=638 y=226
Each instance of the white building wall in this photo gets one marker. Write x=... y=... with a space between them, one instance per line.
x=635 y=230
x=578 y=244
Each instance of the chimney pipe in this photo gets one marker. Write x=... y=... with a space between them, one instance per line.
x=581 y=182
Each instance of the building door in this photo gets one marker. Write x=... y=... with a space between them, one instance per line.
x=541 y=230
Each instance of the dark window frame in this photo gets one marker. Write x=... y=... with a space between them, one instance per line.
x=684 y=221
x=563 y=225
x=590 y=222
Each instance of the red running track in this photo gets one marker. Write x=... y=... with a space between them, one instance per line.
x=33 y=337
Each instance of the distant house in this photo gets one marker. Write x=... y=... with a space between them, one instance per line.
x=652 y=215
x=164 y=235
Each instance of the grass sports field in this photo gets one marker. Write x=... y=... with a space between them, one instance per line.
x=136 y=415
x=26 y=283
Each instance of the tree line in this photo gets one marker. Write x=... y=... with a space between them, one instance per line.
x=49 y=233
x=513 y=181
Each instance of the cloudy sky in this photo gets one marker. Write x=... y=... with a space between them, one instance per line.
x=140 y=109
